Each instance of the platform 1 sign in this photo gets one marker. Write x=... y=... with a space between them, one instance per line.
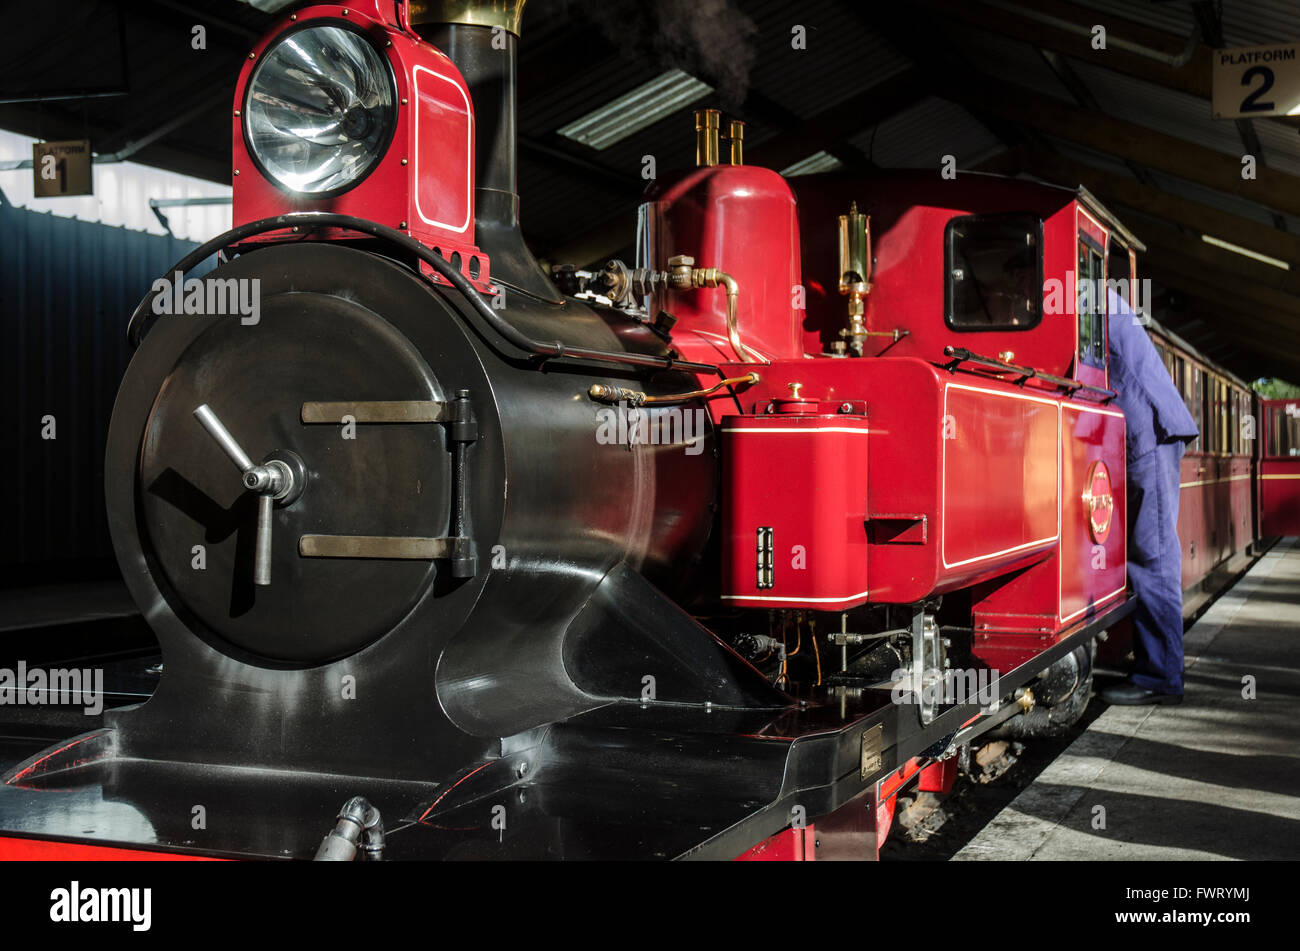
x=62 y=168
x=1257 y=81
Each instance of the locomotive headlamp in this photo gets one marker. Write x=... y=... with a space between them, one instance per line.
x=320 y=110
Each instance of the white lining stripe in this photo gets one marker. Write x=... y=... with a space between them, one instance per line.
x=943 y=479
x=469 y=155
x=756 y=597
x=1236 y=478
x=796 y=429
x=1099 y=601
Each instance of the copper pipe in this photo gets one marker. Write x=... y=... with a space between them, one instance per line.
x=743 y=353
x=603 y=393
x=700 y=394
x=683 y=275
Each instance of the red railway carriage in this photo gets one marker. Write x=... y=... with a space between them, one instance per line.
x=1218 y=492
x=1217 y=488
x=1279 y=467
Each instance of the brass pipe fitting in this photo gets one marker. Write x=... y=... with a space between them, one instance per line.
x=855 y=273
x=707 y=130
x=736 y=136
x=683 y=275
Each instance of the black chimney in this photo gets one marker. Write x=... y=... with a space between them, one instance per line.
x=482 y=40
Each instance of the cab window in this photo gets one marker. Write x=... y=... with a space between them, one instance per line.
x=994 y=279
x=1092 y=303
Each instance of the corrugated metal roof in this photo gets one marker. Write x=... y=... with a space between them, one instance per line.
x=1233 y=204
x=577 y=55
x=1175 y=18
x=1281 y=146
x=1094 y=157
x=1257 y=22
x=1014 y=61
x=580 y=92
x=843 y=56
x=921 y=136
x=1155 y=107
x=1245 y=22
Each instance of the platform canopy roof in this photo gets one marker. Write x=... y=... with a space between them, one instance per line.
x=1010 y=86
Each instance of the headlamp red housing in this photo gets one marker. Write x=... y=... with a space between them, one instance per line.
x=423 y=184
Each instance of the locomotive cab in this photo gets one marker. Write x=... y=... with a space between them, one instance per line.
x=1004 y=268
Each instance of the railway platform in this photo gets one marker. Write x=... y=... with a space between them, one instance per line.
x=1217 y=777
x=55 y=605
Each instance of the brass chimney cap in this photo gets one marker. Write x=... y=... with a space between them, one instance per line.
x=708 y=119
x=508 y=14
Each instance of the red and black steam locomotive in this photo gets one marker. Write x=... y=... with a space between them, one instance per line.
x=681 y=558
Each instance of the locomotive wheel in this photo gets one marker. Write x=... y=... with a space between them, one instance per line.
x=1061 y=692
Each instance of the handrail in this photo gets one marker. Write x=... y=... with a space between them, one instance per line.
x=961 y=355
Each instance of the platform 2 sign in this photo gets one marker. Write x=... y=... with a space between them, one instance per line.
x=1257 y=81
x=62 y=168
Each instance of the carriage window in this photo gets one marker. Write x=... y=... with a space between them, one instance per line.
x=995 y=277
x=1283 y=431
x=1244 y=425
x=1229 y=419
x=1218 y=411
x=1234 y=423
x=1211 y=414
x=1092 y=303
x=1193 y=387
x=1220 y=416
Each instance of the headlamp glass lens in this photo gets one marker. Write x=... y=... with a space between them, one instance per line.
x=319 y=110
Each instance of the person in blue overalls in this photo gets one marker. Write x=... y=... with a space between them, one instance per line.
x=1158 y=428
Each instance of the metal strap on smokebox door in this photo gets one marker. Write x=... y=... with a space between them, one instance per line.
x=457 y=547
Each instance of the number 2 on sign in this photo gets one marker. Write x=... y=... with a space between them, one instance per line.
x=1251 y=103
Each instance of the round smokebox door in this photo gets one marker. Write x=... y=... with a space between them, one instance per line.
x=199 y=506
